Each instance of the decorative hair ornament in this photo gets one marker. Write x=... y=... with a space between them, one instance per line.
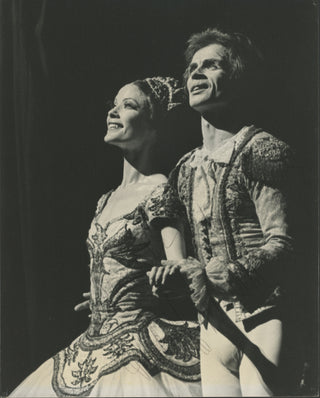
x=166 y=91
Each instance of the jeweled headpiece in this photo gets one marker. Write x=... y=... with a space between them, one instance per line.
x=166 y=91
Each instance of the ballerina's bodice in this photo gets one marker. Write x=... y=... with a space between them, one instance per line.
x=121 y=252
x=125 y=324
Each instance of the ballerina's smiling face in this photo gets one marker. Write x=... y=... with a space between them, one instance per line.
x=129 y=124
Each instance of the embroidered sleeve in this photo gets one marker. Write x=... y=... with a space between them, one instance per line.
x=255 y=276
x=267 y=160
x=163 y=205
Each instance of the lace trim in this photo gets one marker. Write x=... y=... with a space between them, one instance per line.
x=195 y=273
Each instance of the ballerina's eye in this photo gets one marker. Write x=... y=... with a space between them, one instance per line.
x=129 y=105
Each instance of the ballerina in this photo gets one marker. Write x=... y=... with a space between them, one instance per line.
x=130 y=347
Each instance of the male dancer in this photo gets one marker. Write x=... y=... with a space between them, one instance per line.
x=233 y=189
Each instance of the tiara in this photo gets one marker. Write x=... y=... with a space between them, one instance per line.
x=167 y=91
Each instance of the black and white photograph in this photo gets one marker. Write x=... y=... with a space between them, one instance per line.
x=159 y=198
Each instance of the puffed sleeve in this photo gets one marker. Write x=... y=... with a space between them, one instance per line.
x=163 y=207
x=101 y=202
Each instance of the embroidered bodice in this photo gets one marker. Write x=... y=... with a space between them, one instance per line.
x=125 y=323
x=121 y=252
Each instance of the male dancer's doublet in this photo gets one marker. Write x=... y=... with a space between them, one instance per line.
x=236 y=205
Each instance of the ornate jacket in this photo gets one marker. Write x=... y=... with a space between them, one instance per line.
x=236 y=204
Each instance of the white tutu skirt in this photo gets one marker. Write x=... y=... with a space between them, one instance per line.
x=131 y=380
x=151 y=358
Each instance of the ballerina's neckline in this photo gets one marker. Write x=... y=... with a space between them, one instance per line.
x=107 y=197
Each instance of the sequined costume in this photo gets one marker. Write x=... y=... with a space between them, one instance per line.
x=128 y=349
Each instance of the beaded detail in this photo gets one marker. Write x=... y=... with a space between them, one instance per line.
x=167 y=92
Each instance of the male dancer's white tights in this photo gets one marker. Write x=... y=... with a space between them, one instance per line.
x=226 y=371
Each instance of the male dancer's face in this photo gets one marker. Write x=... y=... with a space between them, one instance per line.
x=208 y=82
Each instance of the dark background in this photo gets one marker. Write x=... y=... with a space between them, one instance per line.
x=60 y=60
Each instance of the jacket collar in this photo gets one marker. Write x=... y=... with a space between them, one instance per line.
x=224 y=153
